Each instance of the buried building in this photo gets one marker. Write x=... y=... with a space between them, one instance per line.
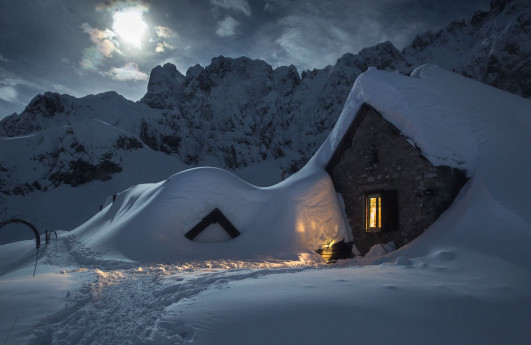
x=391 y=192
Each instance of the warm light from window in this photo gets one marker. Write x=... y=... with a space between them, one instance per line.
x=373 y=212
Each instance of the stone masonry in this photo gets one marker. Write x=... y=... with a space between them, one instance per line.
x=375 y=157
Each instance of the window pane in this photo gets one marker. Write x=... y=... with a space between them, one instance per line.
x=379 y=212
x=372 y=212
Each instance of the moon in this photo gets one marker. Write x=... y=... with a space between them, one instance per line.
x=129 y=25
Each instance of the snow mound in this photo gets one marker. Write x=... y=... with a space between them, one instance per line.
x=148 y=222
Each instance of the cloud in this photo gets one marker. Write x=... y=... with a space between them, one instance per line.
x=118 y=5
x=103 y=39
x=10 y=79
x=227 y=27
x=273 y=6
x=63 y=89
x=9 y=94
x=104 y=47
x=236 y=5
x=317 y=34
x=309 y=41
x=3 y=59
x=92 y=58
x=129 y=71
x=163 y=31
x=162 y=47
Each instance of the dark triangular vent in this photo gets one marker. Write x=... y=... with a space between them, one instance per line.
x=216 y=216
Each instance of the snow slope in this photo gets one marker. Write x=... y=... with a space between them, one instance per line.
x=464 y=281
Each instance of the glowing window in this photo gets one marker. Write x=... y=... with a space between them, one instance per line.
x=373 y=212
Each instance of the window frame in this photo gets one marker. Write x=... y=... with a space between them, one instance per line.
x=386 y=210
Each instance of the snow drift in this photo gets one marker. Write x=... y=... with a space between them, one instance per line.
x=149 y=222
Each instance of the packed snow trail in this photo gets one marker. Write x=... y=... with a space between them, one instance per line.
x=231 y=302
x=119 y=302
x=125 y=306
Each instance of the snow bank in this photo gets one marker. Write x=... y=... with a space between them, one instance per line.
x=148 y=222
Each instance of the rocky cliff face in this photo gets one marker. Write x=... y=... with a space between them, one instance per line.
x=492 y=47
x=165 y=87
x=237 y=113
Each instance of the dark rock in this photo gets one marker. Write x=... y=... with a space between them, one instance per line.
x=81 y=172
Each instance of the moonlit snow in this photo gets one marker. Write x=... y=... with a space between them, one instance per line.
x=128 y=275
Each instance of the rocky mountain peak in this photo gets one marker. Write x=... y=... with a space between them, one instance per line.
x=42 y=108
x=47 y=104
x=238 y=67
x=194 y=71
x=382 y=56
x=164 y=87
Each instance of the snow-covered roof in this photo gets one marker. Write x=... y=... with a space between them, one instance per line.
x=449 y=117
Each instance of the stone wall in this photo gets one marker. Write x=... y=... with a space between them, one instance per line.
x=379 y=158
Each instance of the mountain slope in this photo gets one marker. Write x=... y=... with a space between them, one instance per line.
x=491 y=47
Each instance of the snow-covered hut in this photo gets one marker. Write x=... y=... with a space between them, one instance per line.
x=391 y=192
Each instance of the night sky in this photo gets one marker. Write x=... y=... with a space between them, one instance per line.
x=82 y=47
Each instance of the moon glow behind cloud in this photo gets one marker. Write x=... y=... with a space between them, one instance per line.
x=130 y=26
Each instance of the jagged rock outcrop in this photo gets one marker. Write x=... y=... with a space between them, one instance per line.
x=164 y=87
x=72 y=155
